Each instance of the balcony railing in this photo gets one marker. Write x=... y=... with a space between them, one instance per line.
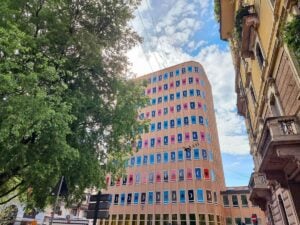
x=279 y=131
x=259 y=191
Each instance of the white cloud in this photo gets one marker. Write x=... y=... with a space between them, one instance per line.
x=177 y=28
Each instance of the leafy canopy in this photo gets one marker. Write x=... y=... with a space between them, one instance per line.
x=66 y=107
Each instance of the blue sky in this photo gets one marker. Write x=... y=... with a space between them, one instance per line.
x=175 y=31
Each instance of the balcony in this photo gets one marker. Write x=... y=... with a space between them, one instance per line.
x=279 y=145
x=259 y=191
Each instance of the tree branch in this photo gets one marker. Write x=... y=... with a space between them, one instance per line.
x=11 y=198
x=12 y=189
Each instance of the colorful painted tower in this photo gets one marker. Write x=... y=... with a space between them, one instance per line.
x=176 y=176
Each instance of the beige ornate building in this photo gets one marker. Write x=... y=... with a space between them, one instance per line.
x=268 y=96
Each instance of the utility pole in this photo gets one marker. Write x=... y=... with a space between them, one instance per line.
x=56 y=200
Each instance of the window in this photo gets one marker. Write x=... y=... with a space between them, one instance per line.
x=183 y=70
x=184 y=93
x=185 y=106
x=178 y=122
x=165 y=111
x=172 y=123
x=191 y=195
x=153 y=113
x=149 y=219
x=195 y=136
x=165 y=76
x=159 y=112
x=187 y=136
x=177 y=72
x=198 y=174
x=171 y=74
x=211 y=219
x=177 y=83
x=158 y=177
x=165 y=87
x=228 y=221
x=154 y=79
x=160 y=77
x=208 y=196
x=202 y=217
x=238 y=220
x=199 y=105
x=193 y=119
x=166 y=176
x=259 y=55
x=212 y=175
x=136 y=198
x=180 y=155
x=244 y=200
x=196 y=69
x=140 y=144
x=146 y=143
x=179 y=138
x=152 y=142
x=190 y=80
x=132 y=161
x=186 y=120
x=235 y=202
x=158 y=158
x=171 y=97
x=203 y=94
x=173 y=175
x=145 y=160
x=154 y=90
x=178 y=108
x=200 y=197
x=172 y=139
x=206 y=174
x=171 y=109
x=174 y=196
x=159 y=88
x=204 y=154
x=188 y=154
x=124 y=180
x=159 y=100
x=166 y=157
x=157 y=219
x=248 y=221
x=202 y=83
x=192 y=92
x=165 y=98
x=204 y=108
x=166 y=197
x=190 y=69
x=196 y=153
x=192 y=105
x=138 y=160
x=215 y=197
x=182 y=196
x=134 y=219
x=158 y=141
x=225 y=200
x=173 y=156
x=159 y=126
x=166 y=124
x=189 y=174
x=151 y=178
x=122 y=202
x=200 y=120
x=157 y=197
x=153 y=101
x=152 y=127
x=181 y=174
x=183 y=81
x=137 y=178
x=171 y=84
x=116 y=199
x=129 y=197
x=152 y=159
x=165 y=140
x=177 y=95
x=198 y=93
x=150 y=197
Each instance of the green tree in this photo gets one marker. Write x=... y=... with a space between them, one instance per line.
x=66 y=107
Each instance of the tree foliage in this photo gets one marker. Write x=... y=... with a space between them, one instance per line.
x=66 y=106
x=291 y=35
